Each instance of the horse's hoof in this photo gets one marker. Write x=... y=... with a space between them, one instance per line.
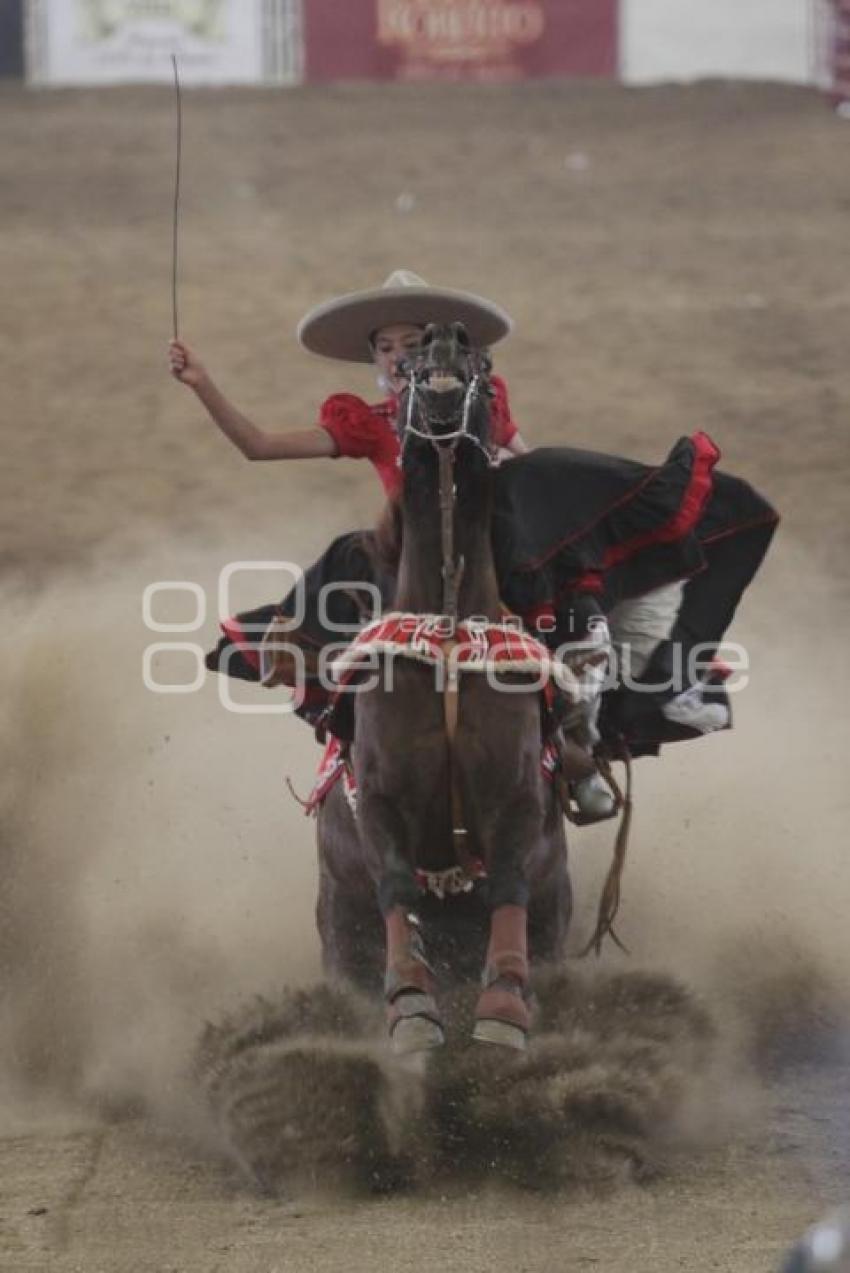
x=416 y=1034
x=502 y=1033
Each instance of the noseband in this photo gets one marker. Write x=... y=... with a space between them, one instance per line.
x=418 y=423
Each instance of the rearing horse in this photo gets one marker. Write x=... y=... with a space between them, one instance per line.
x=448 y=778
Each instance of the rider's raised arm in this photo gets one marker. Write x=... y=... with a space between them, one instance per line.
x=253 y=442
x=295 y=444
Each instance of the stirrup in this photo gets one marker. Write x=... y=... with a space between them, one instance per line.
x=573 y=811
x=599 y=792
x=575 y=761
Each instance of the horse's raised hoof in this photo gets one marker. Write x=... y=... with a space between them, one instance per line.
x=414 y=1023
x=502 y=1014
x=416 y=1034
x=502 y=1033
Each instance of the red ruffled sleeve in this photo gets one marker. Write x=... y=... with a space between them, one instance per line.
x=352 y=425
x=504 y=428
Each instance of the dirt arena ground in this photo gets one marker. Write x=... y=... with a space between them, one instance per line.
x=676 y=258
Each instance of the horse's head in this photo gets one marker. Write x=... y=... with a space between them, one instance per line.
x=448 y=391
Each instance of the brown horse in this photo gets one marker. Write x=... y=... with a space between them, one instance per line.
x=450 y=788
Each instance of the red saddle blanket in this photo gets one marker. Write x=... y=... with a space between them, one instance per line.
x=468 y=645
x=456 y=648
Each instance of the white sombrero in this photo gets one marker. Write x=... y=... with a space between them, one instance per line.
x=341 y=328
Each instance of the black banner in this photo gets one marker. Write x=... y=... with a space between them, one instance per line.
x=12 y=37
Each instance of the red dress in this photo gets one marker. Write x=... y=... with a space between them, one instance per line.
x=363 y=432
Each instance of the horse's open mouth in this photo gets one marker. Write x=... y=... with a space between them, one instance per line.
x=444 y=382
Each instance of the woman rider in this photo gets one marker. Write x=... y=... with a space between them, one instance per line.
x=383 y=326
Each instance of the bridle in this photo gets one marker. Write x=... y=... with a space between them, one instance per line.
x=419 y=423
x=417 y=407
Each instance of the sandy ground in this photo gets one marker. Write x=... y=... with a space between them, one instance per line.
x=675 y=258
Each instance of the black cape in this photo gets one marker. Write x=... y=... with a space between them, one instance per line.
x=572 y=527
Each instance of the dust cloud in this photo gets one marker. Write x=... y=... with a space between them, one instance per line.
x=304 y=1095
x=158 y=877
x=732 y=911
x=739 y=874
x=155 y=867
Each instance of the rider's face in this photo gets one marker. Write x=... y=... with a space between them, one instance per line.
x=390 y=346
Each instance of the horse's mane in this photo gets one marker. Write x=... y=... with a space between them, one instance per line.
x=383 y=544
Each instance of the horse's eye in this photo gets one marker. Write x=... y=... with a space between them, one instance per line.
x=461 y=336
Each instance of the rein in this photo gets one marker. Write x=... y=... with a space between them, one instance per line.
x=452 y=570
x=609 y=902
x=452 y=574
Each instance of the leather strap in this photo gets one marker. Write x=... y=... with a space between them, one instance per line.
x=609 y=902
x=451 y=712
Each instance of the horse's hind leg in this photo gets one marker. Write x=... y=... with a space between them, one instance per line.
x=351 y=931
x=349 y=921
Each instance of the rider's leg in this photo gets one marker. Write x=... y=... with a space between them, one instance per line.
x=640 y=624
x=640 y=631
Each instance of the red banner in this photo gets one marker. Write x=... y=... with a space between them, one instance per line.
x=459 y=39
x=841 y=50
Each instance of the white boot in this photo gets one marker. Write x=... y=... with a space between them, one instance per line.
x=593 y=797
x=690 y=709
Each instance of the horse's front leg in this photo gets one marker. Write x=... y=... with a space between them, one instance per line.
x=502 y=1012
x=413 y=1019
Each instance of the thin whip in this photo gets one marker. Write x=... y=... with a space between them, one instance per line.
x=174 y=316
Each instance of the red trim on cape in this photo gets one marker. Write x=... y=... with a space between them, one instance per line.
x=590 y=581
x=769 y=519
x=703 y=446
x=588 y=526
x=680 y=524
